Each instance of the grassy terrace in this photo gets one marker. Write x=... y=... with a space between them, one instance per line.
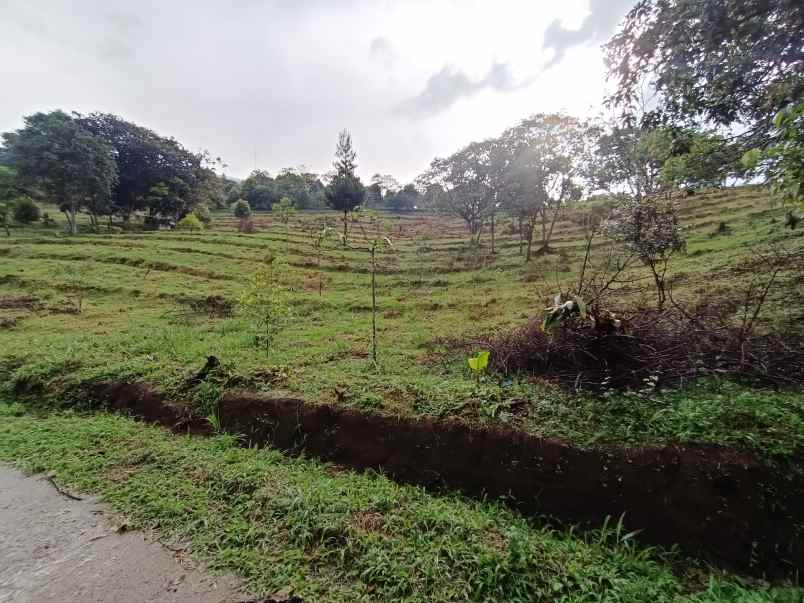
x=146 y=318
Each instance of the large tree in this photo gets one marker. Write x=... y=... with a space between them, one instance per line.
x=720 y=61
x=56 y=157
x=155 y=172
x=345 y=192
x=544 y=159
x=462 y=184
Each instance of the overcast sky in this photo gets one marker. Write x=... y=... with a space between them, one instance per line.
x=278 y=79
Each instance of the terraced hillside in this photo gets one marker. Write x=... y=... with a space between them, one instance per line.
x=132 y=317
x=155 y=305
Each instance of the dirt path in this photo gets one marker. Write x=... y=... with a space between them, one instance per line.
x=53 y=548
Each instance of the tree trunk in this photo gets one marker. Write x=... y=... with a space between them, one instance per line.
x=529 y=236
x=521 y=237
x=492 y=233
x=70 y=213
x=373 y=309
x=345 y=215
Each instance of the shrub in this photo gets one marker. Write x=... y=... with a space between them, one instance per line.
x=190 y=222
x=203 y=214
x=26 y=211
x=242 y=209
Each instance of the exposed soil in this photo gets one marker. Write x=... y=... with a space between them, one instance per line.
x=19 y=303
x=723 y=504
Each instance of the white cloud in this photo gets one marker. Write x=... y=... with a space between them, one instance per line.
x=283 y=78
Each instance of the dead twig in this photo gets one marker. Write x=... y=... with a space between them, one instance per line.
x=60 y=490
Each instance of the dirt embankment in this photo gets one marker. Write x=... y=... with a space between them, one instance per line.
x=724 y=504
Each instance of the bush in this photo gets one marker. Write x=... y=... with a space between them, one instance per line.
x=242 y=209
x=203 y=214
x=26 y=211
x=190 y=222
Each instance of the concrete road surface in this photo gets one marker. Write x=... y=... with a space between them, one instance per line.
x=53 y=548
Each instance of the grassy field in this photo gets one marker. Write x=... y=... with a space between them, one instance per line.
x=328 y=534
x=155 y=305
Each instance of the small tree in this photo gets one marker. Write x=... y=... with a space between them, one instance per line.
x=191 y=223
x=318 y=234
x=242 y=209
x=203 y=214
x=26 y=211
x=345 y=192
x=285 y=209
x=74 y=280
x=650 y=229
x=8 y=190
x=378 y=240
x=266 y=301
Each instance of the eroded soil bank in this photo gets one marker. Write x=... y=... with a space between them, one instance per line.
x=724 y=504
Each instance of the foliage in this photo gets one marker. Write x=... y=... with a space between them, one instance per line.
x=649 y=228
x=405 y=199
x=54 y=155
x=721 y=61
x=26 y=211
x=266 y=300
x=155 y=173
x=74 y=277
x=783 y=160
x=262 y=190
x=631 y=157
x=540 y=167
x=285 y=209
x=345 y=192
x=461 y=184
x=700 y=159
x=8 y=191
x=203 y=214
x=242 y=209
x=191 y=223
x=478 y=363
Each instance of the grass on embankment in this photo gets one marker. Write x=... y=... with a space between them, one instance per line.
x=335 y=535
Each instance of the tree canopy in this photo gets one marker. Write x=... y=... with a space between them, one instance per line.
x=721 y=61
x=345 y=192
x=55 y=156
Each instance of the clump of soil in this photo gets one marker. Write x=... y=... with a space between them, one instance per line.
x=8 y=323
x=214 y=305
x=29 y=303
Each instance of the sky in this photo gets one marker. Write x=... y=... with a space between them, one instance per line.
x=271 y=83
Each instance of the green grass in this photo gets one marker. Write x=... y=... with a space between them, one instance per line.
x=335 y=535
x=140 y=321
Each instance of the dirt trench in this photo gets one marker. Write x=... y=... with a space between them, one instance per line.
x=723 y=504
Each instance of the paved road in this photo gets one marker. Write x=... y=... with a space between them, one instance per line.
x=53 y=548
